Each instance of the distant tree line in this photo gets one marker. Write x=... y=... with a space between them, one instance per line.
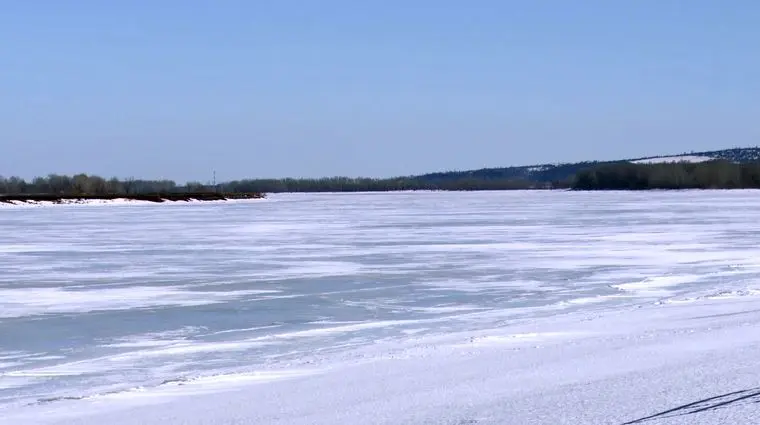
x=348 y=184
x=603 y=176
x=718 y=174
x=83 y=184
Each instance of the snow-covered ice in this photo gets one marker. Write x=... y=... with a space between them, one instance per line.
x=401 y=308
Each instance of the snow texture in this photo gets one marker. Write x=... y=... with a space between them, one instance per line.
x=410 y=308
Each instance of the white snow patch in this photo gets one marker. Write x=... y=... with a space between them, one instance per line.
x=19 y=302
x=719 y=295
x=657 y=283
x=339 y=329
x=679 y=158
x=490 y=340
x=116 y=202
x=592 y=300
x=186 y=348
x=70 y=202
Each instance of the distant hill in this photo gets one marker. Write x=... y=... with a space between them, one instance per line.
x=546 y=173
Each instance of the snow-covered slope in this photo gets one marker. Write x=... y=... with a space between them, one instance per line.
x=561 y=171
x=738 y=155
x=679 y=158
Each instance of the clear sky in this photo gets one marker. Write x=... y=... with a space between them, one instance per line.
x=273 y=88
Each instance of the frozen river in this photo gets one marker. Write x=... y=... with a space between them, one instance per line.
x=104 y=301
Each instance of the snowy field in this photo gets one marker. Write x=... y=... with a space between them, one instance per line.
x=401 y=308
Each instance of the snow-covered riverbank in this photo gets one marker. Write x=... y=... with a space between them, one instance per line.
x=686 y=362
x=114 y=202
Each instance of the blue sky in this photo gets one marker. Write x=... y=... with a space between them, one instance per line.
x=260 y=88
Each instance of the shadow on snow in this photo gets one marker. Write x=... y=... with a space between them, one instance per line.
x=713 y=403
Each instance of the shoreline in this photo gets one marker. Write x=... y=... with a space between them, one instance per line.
x=160 y=198
x=152 y=198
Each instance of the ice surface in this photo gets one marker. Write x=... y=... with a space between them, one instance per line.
x=30 y=301
x=506 y=307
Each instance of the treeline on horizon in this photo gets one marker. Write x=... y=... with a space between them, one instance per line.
x=719 y=174
x=83 y=184
x=605 y=176
x=349 y=184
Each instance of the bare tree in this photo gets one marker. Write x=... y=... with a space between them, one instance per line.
x=80 y=184
x=97 y=185
x=115 y=186
x=128 y=185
